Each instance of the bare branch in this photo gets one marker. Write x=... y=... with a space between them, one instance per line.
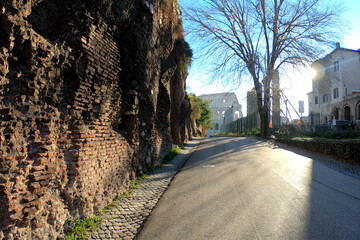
x=259 y=37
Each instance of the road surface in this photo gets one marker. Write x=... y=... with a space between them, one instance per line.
x=242 y=188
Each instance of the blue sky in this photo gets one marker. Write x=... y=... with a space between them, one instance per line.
x=296 y=86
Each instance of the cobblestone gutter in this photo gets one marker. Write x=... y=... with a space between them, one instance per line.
x=125 y=219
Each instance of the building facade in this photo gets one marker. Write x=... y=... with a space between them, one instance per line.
x=219 y=104
x=252 y=107
x=336 y=87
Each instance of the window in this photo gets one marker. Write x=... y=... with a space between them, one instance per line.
x=336 y=66
x=325 y=98
x=316 y=99
x=336 y=93
x=310 y=104
x=327 y=71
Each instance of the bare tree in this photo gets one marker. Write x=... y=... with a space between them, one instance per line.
x=258 y=38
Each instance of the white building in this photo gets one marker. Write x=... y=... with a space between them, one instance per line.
x=219 y=103
x=336 y=87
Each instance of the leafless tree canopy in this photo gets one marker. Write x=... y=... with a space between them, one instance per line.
x=258 y=37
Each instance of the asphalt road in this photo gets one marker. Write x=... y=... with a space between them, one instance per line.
x=242 y=188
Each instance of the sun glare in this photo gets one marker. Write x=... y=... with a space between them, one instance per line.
x=308 y=73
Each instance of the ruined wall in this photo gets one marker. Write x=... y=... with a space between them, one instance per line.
x=85 y=100
x=180 y=115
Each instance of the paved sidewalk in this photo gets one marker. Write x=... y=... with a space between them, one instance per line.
x=125 y=219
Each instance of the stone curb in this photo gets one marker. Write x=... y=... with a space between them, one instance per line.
x=126 y=218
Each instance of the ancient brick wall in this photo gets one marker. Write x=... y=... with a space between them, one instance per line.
x=85 y=99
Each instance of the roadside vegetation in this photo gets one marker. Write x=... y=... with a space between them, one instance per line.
x=328 y=134
x=253 y=132
x=201 y=114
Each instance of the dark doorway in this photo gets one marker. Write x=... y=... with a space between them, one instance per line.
x=336 y=113
x=347 y=113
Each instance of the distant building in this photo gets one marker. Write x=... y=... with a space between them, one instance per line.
x=252 y=107
x=219 y=104
x=336 y=87
x=229 y=116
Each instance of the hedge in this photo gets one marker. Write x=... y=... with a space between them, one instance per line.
x=348 y=149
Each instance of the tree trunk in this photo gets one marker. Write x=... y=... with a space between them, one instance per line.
x=263 y=104
x=266 y=107
x=276 y=121
x=264 y=122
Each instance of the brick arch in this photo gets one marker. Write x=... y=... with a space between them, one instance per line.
x=335 y=112
x=357 y=111
x=346 y=112
x=237 y=114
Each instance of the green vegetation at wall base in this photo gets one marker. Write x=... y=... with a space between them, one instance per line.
x=170 y=155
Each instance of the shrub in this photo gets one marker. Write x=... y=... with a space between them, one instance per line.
x=220 y=134
x=233 y=135
x=170 y=155
x=81 y=227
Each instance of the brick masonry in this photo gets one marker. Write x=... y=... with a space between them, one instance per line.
x=126 y=218
x=84 y=105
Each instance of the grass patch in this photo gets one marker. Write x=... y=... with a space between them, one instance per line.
x=144 y=176
x=134 y=184
x=82 y=226
x=170 y=155
x=101 y=211
x=183 y=145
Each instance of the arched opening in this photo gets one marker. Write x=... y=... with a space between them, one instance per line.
x=216 y=126
x=336 y=113
x=237 y=114
x=325 y=119
x=347 y=113
x=358 y=111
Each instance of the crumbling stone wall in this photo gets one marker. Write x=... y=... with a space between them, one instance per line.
x=86 y=91
x=180 y=115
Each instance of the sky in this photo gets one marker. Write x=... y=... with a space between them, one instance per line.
x=295 y=86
